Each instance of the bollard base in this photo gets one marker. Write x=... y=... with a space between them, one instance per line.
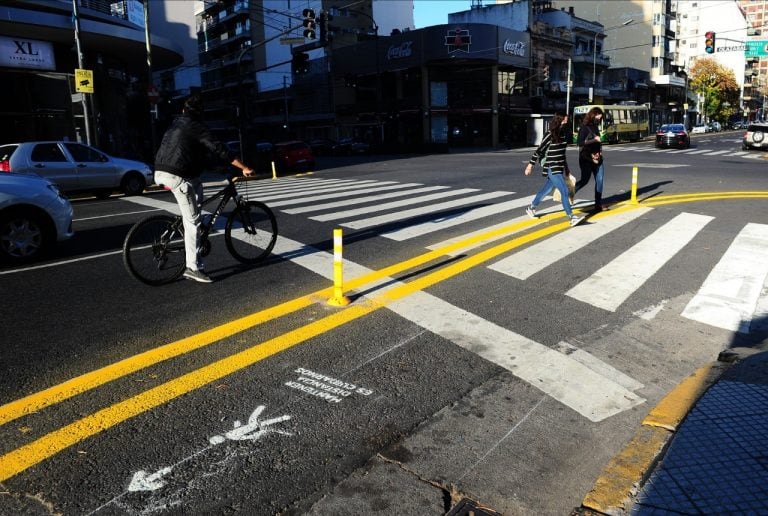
x=339 y=301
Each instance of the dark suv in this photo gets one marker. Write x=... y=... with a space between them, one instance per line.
x=756 y=137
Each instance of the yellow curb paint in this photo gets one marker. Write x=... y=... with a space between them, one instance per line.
x=624 y=474
x=616 y=485
x=671 y=410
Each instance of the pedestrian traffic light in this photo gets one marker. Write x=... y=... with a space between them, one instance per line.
x=709 y=42
x=300 y=63
x=546 y=72
x=309 y=23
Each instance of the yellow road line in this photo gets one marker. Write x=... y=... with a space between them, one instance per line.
x=28 y=455
x=65 y=390
x=52 y=443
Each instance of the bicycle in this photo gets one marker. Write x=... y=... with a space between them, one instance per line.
x=153 y=251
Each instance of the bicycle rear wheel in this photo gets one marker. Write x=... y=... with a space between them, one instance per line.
x=153 y=251
x=251 y=232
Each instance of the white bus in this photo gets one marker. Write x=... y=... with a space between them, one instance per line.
x=620 y=123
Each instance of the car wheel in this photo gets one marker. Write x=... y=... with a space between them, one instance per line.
x=133 y=184
x=25 y=235
x=758 y=136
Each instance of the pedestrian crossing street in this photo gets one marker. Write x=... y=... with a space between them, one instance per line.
x=733 y=296
x=691 y=151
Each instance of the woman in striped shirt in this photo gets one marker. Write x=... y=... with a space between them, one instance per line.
x=552 y=151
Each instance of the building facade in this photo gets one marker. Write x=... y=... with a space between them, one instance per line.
x=37 y=69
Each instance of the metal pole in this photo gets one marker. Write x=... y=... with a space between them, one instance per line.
x=86 y=113
x=152 y=109
x=568 y=89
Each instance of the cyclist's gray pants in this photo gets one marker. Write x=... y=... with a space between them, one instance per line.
x=188 y=193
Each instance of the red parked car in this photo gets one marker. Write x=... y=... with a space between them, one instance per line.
x=294 y=154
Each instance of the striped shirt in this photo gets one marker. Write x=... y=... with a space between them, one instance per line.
x=554 y=153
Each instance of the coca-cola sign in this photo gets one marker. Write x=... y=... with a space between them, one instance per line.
x=514 y=48
x=400 y=51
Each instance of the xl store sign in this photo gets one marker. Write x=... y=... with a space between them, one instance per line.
x=26 y=53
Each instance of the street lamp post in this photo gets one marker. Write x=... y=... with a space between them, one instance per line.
x=594 y=50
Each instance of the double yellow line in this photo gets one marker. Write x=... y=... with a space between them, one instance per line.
x=26 y=456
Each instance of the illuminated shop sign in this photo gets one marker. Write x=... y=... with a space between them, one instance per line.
x=26 y=53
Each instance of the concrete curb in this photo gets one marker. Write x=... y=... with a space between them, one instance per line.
x=614 y=490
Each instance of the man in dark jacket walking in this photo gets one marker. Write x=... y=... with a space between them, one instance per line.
x=179 y=163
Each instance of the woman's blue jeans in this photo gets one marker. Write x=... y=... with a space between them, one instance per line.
x=554 y=181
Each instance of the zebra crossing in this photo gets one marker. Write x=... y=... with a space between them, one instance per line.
x=690 y=151
x=732 y=297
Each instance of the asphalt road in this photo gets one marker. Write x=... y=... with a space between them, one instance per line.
x=485 y=356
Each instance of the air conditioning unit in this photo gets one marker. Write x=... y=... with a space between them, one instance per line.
x=539 y=91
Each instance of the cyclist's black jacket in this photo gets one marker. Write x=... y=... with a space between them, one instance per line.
x=186 y=146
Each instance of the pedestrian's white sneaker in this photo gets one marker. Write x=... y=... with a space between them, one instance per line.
x=577 y=219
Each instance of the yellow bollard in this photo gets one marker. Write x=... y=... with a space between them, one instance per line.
x=338 y=299
x=633 y=198
x=274 y=171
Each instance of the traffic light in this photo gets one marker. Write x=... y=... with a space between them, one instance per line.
x=324 y=19
x=546 y=72
x=300 y=63
x=309 y=23
x=709 y=42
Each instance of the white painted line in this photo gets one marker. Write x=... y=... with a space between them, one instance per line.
x=337 y=195
x=760 y=317
x=567 y=380
x=362 y=200
x=392 y=205
x=715 y=153
x=468 y=216
x=317 y=189
x=423 y=210
x=610 y=286
x=537 y=257
x=699 y=151
x=482 y=242
x=731 y=293
x=598 y=366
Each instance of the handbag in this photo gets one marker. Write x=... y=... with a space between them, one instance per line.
x=570 y=182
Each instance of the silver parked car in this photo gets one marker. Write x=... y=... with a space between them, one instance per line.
x=76 y=167
x=34 y=215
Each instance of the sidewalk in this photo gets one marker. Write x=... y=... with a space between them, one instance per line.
x=702 y=450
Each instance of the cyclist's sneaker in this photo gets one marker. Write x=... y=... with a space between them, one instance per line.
x=576 y=219
x=199 y=275
x=531 y=211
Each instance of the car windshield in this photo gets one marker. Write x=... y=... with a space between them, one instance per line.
x=664 y=128
x=678 y=128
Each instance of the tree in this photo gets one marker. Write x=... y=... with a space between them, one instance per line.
x=718 y=87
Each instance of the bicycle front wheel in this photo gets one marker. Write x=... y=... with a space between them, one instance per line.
x=153 y=251
x=251 y=232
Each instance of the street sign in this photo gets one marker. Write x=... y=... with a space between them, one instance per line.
x=291 y=41
x=83 y=80
x=757 y=48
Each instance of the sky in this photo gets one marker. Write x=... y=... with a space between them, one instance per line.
x=435 y=12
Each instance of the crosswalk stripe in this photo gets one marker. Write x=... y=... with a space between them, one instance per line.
x=699 y=151
x=318 y=189
x=483 y=241
x=537 y=257
x=468 y=216
x=391 y=205
x=362 y=200
x=734 y=287
x=309 y=184
x=715 y=153
x=610 y=286
x=339 y=195
x=421 y=211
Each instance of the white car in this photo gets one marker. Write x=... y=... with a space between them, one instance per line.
x=699 y=129
x=76 y=167
x=34 y=215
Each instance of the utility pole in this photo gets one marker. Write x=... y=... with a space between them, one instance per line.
x=153 y=109
x=86 y=113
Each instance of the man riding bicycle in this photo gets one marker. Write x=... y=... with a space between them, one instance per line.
x=179 y=162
